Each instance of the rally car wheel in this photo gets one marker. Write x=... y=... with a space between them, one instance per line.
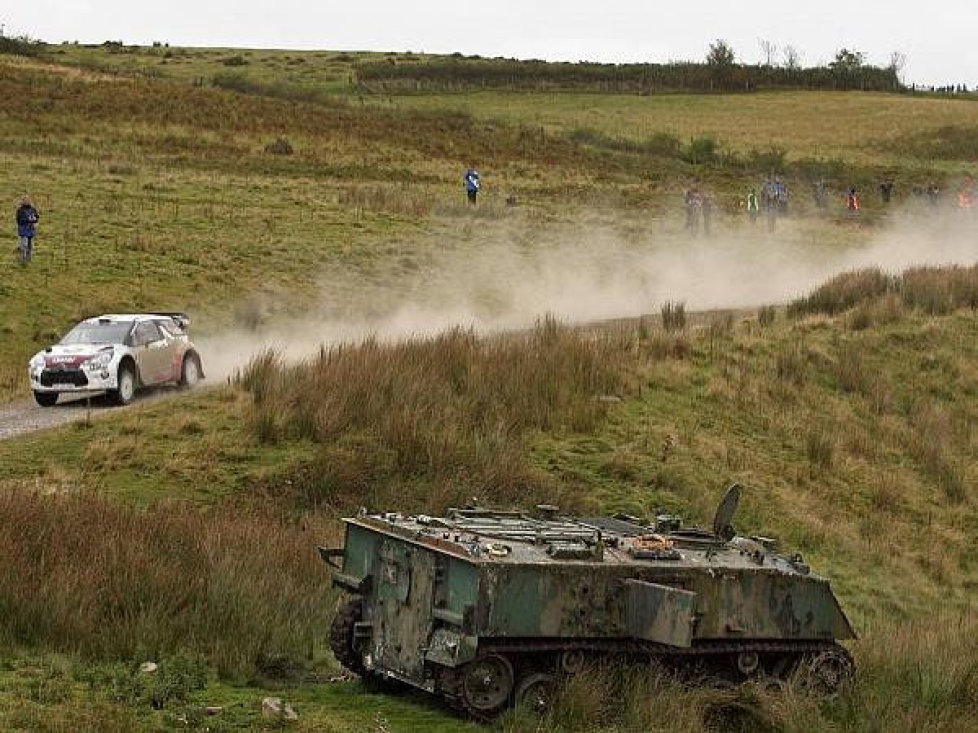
x=46 y=399
x=127 y=385
x=190 y=372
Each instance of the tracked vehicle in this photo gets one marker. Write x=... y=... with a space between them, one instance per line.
x=488 y=608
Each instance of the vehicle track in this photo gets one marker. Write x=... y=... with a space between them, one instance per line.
x=23 y=417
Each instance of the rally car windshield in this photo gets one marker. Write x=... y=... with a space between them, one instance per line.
x=109 y=332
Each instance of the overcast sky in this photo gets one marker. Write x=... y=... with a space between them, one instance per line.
x=938 y=39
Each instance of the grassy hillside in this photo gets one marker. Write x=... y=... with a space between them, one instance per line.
x=854 y=434
x=183 y=531
x=159 y=191
x=864 y=129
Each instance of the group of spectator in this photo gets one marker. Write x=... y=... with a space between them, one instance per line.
x=772 y=201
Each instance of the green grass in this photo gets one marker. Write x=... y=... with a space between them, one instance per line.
x=858 y=128
x=850 y=420
x=157 y=193
x=55 y=692
x=872 y=426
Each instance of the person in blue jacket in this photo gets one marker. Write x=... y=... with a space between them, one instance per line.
x=27 y=218
x=472 y=184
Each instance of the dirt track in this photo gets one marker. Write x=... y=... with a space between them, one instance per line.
x=20 y=418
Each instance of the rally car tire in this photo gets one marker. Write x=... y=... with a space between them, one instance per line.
x=127 y=385
x=46 y=399
x=190 y=372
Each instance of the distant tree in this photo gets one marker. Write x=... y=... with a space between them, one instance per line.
x=792 y=58
x=848 y=62
x=769 y=50
x=720 y=54
x=898 y=61
x=848 y=67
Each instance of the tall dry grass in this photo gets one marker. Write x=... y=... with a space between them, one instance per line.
x=932 y=290
x=910 y=676
x=450 y=411
x=82 y=574
x=842 y=292
x=939 y=290
x=673 y=316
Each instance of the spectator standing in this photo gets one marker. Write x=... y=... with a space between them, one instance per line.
x=27 y=218
x=820 y=194
x=781 y=195
x=886 y=191
x=753 y=208
x=693 y=202
x=473 y=183
x=706 y=203
x=966 y=196
x=769 y=201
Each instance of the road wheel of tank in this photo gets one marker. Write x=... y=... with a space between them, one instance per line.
x=535 y=692
x=46 y=399
x=827 y=673
x=126 y=385
x=748 y=662
x=341 y=636
x=487 y=684
x=572 y=661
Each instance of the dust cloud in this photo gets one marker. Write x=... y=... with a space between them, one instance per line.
x=509 y=274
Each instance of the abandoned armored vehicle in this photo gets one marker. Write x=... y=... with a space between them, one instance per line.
x=488 y=608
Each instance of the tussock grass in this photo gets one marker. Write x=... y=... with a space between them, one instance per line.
x=939 y=290
x=82 y=574
x=766 y=315
x=452 y=410
x=932 y=290
x=842 y=292
x=791 y=363
x=673 y=316
x=920 y=675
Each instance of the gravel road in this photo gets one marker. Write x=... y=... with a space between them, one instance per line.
x=20 y=418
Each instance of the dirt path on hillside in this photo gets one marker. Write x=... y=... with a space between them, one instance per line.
x=23 y=417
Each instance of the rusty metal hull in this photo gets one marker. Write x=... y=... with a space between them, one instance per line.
x=438 y=593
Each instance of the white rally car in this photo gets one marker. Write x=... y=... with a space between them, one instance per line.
x=117 y=354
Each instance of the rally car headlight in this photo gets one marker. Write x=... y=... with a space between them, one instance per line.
x=99 y=361
x=37 y=362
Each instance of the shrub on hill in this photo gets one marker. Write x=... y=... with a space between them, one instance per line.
x=460 y=74
x=21 y=45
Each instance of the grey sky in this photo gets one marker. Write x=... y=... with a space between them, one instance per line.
x=937 y=39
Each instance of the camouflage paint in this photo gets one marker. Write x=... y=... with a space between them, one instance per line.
x=434 y=590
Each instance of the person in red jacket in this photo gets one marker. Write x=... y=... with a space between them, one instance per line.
x=966 y=197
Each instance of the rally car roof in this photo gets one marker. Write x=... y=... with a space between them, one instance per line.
x=125 y=317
